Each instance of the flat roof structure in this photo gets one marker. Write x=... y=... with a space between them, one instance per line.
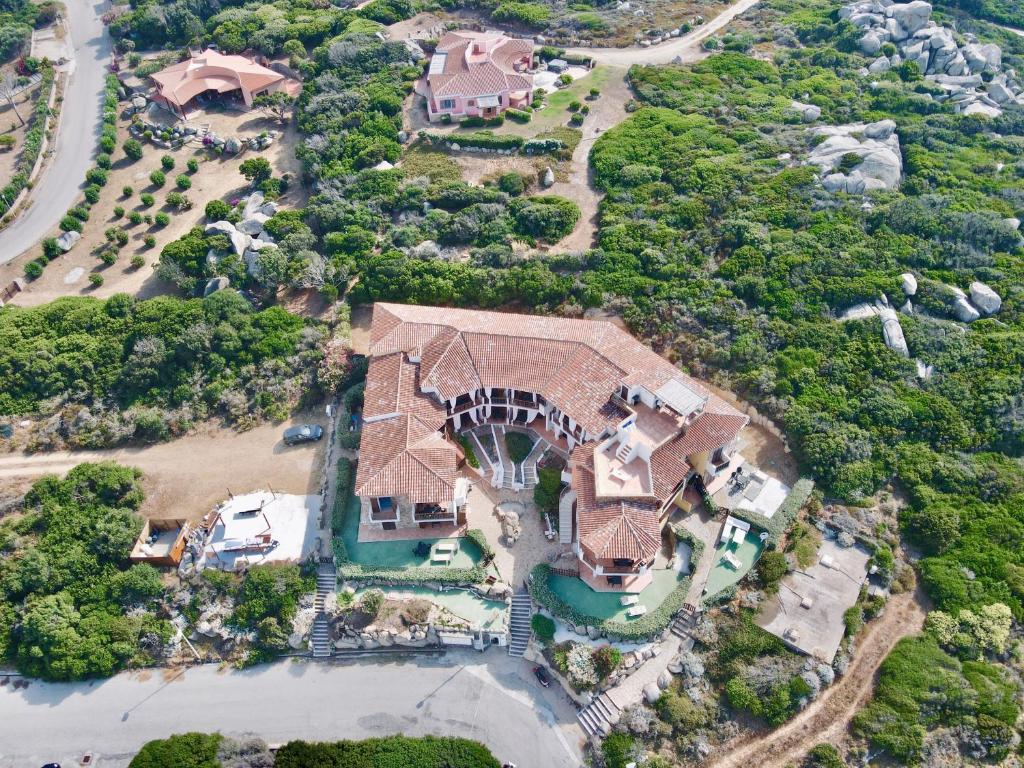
x=261 y=527
x=807 y=612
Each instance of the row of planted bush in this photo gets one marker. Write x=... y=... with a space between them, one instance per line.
x=480 y=139
x=33 y=143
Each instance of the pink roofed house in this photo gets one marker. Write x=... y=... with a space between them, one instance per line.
x=211 y=71
x=477 y=74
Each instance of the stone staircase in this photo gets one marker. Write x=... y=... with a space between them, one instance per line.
x=598 y=717
x=623 y=451
x=530 y=476
x=508 y=476
x=684 y=623
x=320 y=635
x=565 y=516
x=519 y=623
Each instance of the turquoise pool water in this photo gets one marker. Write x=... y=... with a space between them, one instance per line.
x=723 y=575
x=608 y=605
x=483 y=613
x=399 y=554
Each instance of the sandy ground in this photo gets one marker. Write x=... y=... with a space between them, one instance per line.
x=188 y=476
x=9 y=125
x=514 y=562
x=827 y=719
x=216 y=178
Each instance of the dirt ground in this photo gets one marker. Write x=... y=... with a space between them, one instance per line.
x=10 y=126
x=827 y=719
x=216 y=178
x=189 y=476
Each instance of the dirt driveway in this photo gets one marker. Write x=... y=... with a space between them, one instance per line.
x=188 y=476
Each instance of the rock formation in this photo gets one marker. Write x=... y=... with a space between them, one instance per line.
x=877 y=148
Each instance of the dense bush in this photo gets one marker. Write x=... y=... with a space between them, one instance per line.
x=100 y=360
x=82 y=610
x=548 y=218
x=532 y=15
x=424 y=752
x=32 y=143
x=182 y=750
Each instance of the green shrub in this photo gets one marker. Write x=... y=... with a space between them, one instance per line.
x=135 y=217
x=183 y=750
x=574 y=106
x=512 y=183
x=467 y=449
x=157 y=178
x=618 y=749
x=371 y=602
x=824 y=756
x=138 y=260
x=33 y=269
x=150 y=242
x=51 y=249
x=192 y=165
x=92 y=194
x=771 y=567
x=68 y=223
x=519 y=115
x=397 y=751
x=167 y=162
x=162 y=219
x=182 y=181
x=543 y=628
x=518 y=445
x=118 y=211
x=95 y=279
x=132 y=149
x=96 y=176
x=103 y=161
x=127 y=191
x=533 y=15
x=546 y=493
x=217 y=210
x=147 y=199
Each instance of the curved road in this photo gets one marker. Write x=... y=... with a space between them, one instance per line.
x=489 y=697
x=81 y=117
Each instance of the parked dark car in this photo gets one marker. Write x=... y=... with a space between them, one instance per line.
x=542 y=676
x=303 y=433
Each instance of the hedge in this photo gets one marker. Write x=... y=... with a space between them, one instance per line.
x=777 y=524
x=32 y=144
x=480 y=139
x=542 y=146
x=519 y=115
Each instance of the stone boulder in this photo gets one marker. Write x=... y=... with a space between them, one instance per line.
x=652 y=693
x=984 y=298
x=892 y=331
x=220 y=227
x=66 y=241
x=880 y=130
x=664 y=680
x=881 y=164
x=879 y=65
x=252 y=225
x=548 y=179
x=909 y=283
x=232 y=146
x=215 y=284
x=808 y=112
x=252 y=204
x=912 y=16
x=964 y=311
x=871 y=43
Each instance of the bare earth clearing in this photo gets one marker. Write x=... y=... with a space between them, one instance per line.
x=188 y=476
x=827 y=719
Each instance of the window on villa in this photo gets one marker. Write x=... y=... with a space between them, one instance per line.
x=615 y=581
x=622 y=562
x=447 y=103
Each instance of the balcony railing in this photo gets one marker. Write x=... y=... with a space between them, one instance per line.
x=424 y=514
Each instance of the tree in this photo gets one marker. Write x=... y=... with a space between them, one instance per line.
x=276 y=104
x=256 y=169
x=132 y=149
x=771 y=568
x=8 y=90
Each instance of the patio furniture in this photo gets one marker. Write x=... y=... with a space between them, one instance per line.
x=619 y=475
x=636 y=610
x=738 y=535
x=726 y=534
x=629 y=599
x=441 y=558
x=732 y=560
x=446 y=546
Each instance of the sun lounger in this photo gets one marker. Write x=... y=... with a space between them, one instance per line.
x=732 y=560
x=442 y=558
x=619 y=475
x=726 y=533
x=738 y=535
x=636 y=610
x=446 y=546
x=629 y=599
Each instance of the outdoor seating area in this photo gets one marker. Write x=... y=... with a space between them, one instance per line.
x=737 y=551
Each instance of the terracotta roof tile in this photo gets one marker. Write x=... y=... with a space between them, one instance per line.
x=402 y=456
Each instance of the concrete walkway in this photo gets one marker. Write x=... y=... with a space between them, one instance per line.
x=632 y=689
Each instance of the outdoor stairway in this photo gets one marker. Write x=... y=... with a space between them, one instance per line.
x=622 y=452
x=598 y=717
x=530 y=477
x=320 y=636
x=508 y=468
x=565 y=517
x=519 y=623
x=684 y=623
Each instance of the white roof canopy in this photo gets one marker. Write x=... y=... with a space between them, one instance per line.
x=679 y=397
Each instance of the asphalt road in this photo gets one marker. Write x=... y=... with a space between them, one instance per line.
x=61 y=182
x=489 y=697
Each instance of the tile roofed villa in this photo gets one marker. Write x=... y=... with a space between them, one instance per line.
x=213 y=72
x=636 y=429
x=477 y=74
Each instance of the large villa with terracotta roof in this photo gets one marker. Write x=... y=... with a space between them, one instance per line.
x=635 y=430
x=477 y=74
